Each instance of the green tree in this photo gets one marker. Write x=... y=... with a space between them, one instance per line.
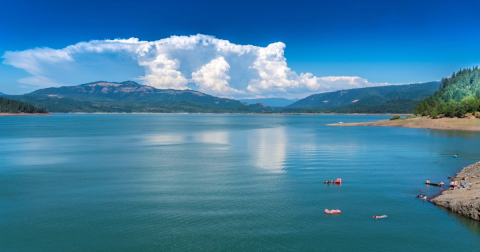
x=460 y=112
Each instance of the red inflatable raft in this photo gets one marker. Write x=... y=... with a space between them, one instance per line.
x=332 y=211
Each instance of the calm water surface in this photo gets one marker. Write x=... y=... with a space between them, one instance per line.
x=226 y=183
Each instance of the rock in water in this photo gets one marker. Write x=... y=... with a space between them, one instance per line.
x=463 y=201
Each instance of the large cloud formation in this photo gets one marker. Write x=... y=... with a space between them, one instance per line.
x=201 y=62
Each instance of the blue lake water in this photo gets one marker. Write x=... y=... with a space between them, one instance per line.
x=149 y=182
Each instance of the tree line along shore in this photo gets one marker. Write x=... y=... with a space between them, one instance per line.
x=9 y=106
x=457 y=96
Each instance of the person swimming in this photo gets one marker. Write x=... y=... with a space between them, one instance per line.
x=428 y=181
x=425 y=197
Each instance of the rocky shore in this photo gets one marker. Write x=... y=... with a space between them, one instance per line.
x=463 y=201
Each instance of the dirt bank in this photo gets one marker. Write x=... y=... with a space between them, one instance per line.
x=463 y=201
x=468 y=123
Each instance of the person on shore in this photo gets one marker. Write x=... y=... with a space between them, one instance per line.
x=470 y=185
x=441 y=183
x=452 y=186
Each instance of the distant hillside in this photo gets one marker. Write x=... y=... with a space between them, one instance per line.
x=130 y=96
x=12 y=106
x=2 y=93
x=272 y=102
x=366 y=96
x=458 y=95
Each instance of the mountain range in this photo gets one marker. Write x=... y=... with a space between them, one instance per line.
x=129 y=96
x=367 y=96
x=382 y=99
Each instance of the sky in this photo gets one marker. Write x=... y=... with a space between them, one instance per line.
x=236 y=49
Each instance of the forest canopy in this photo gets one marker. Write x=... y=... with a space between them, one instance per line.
x=458 y=95
x=12 y=106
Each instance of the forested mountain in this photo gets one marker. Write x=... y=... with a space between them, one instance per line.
x=384 y=99
x=459 y=94
x=130 y=96
x=272 y=102
x=11 y=106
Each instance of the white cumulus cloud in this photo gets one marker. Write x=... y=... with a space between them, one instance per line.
x=201 y=62
x=213 y=78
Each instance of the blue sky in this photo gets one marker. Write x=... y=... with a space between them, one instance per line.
x=360 y=43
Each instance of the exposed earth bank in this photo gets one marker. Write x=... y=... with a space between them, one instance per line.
x=463 y=201
x=468 y=123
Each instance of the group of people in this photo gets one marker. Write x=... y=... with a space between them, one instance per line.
x=424 y=197
x=338 y=181
x=430 y=183
x=454 y=184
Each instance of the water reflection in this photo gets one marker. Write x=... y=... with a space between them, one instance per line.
x=212 y=137
x=452 y=133
x=200 y=137
x=474 y=226
x=268 y=148
x=34 y=151
x=164 y=139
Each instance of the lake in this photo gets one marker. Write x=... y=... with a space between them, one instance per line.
x=187 y=182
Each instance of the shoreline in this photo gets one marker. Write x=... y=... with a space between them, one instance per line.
x=250 y=113
x=24 y=114
x=468 y=123
x=463 y=201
